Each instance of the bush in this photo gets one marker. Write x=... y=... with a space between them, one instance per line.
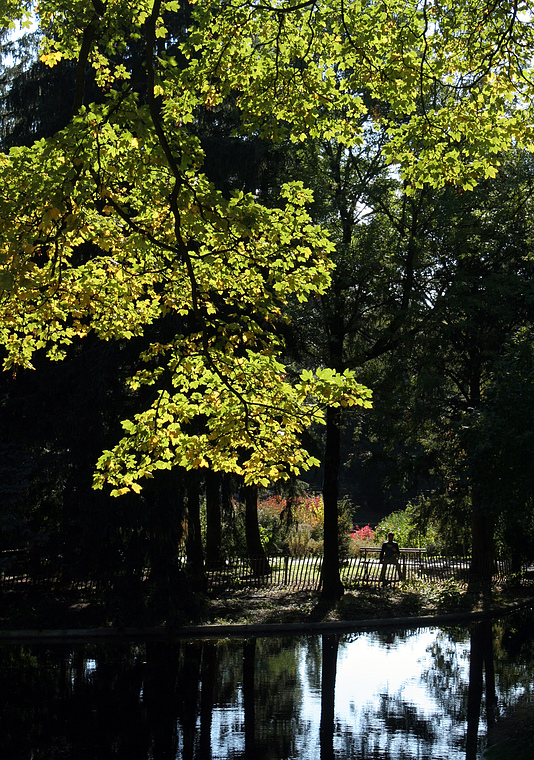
x=449 y=594
x=301 y=543
x=272 y=530
x=305 y=534
x=408 y=532
x=309 y=510
x=400 y=523
x=359 y=538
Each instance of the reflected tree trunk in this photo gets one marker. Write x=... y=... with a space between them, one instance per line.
x=491 y=694
x=160 y=697
x=328 y=689
x=207 y=696
x=249 y=663
x=474 y=698
x=189 y=687
x=481 y=658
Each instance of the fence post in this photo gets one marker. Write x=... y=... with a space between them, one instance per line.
x=286 y=568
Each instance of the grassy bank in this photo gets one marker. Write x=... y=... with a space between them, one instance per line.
x=410 y=599
x=46 y=609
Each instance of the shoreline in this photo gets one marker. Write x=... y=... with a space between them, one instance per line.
x=253 y=630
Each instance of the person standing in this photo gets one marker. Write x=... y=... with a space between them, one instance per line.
x=389 y=555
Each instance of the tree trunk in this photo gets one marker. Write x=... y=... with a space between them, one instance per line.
x=195 y=553
x=517 y=567
x=287 y=513
x=332 y=587
x=256 y=553
x=482 y=558
x=213 y=518
x=166 y=497
x=482 y=521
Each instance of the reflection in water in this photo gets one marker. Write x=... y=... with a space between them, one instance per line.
x=328 y=693
x=481 y=657
x=426 y=694
x=249 y=662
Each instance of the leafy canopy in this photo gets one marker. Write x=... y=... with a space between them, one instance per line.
x=111 y=226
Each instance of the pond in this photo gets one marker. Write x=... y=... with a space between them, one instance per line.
x=425 y=693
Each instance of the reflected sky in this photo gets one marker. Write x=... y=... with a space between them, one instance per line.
x=385 y=705
x=374 y=678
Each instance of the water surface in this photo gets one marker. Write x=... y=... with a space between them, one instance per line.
x=422 y=694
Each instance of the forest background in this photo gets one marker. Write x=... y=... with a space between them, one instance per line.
x=223 y=225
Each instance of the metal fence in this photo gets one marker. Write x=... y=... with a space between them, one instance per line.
x=20 y=571
x=304 y=573
x=295 y=573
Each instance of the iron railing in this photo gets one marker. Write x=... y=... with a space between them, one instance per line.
x=304 y=573
x=296 y=573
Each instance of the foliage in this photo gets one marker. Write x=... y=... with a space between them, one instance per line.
x=119 y=229
x=114 y=226
x=303 y=541
x=499 y=435
x=310 y=510
x=442 y=520
x=452 y=409
x=305 y=533
x=446 y=595
x=428 y=83
x=233 y=542
x=302 y=537
x=364 y=534
x=413 y=597
x=408 y=531
x=15 y=474
x=401 y=524
x=358 y=538
x=271 y=530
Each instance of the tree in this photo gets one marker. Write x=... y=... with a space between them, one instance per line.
x=110 y=225
x=30 y=106
x=367 y=309
x=167 y=247
x=257 y=557
x=500 y=440
x=478 y=293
